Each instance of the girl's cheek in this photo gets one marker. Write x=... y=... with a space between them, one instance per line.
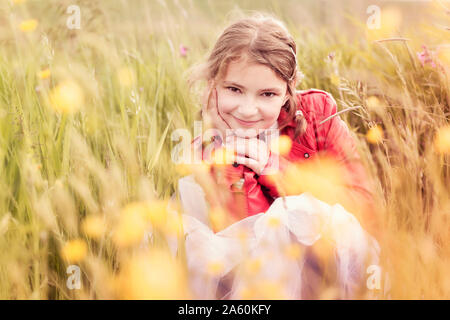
x=228 y=103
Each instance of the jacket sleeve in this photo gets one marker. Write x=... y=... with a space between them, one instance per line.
x=334 y=138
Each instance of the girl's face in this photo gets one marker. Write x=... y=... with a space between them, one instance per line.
x=250 y=96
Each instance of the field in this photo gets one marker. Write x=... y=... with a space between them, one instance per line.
x=87 y=112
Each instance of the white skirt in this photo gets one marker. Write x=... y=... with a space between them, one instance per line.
x=290 y=222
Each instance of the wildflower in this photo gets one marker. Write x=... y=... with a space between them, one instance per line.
x=442 y=140
x=67 y=97
x=183 y=50
x=126 y=77
x=28 y=25
x=223 y=156
x=215 y=268
x=374 y=135
x=152 y=275
x=156 y=213
x=74 y=251
x=273 y=222
x=426 y=57
x=282 y=145
x=44 y=74
x=131 y=225
x=93 y=226
x=293 y=251
x=372 y=102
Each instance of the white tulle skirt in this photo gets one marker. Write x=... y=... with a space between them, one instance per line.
x=290 y=222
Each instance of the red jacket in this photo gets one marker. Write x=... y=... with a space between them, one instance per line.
x=332 y=137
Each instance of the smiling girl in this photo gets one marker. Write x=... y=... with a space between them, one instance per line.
x=251 y=77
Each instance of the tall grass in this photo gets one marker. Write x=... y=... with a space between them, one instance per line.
x=112 y=153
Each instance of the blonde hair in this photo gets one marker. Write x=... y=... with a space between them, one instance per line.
x=265 y=40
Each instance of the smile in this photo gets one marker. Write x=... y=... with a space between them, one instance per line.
x=245 y=123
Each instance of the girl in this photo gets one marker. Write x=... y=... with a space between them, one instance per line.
x=252 y=77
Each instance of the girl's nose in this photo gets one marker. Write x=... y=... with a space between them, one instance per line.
x=248 y=110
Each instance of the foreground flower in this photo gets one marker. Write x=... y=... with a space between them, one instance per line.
x=66 y=97
x=152 y=275
x=44 y=74
x=282 y=145
x=74 y=251
x=132 y=224
x=126 y=77
x=94 y=226
x=183 y=50
x=442 y=140
x=28 y=25
x=375 y=135
x=426 y=56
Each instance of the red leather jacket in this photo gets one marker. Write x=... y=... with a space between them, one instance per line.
x=332 y=136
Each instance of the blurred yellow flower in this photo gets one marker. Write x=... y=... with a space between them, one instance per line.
x=442 y=140
x=28 y=25
x=293 y=251
x=93 y=226
x=183 y=169
x=132 y=224
x=44 y=74
x=252 y=266
x=282 y=145
x=218 y=218
x=223 y=156
x=174 y=225
x=335 y=79
x=66 y=97
x=18 y=1
x=215 y=267
x=372 y=102
x=152 y=275
x=74 y=251
x=156 y=213
x=273 y=222
x=375 y=135
x=126 y=77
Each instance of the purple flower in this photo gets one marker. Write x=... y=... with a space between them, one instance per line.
x=426 y=56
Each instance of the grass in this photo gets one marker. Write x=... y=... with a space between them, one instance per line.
x=57 y=168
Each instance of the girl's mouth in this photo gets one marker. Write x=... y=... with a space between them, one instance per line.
x=245 y=123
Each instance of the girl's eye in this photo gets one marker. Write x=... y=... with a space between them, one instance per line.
x=271 y=94
x=233 y=89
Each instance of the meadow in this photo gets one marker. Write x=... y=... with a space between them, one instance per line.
x=87 y=111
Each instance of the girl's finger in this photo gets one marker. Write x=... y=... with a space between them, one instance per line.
x=250 y=163
x=252 y=148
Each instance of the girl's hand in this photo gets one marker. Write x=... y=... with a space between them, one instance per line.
x=255 y=149
x=210 y=113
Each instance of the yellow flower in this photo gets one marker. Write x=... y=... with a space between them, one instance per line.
x=273 y=222
x=335 y=79
x=126 y=77
x=372 y=102
x=74 y=251
x=28 y=25
x=442 y=140
x=183 y=169
x=156 y=213
x=252 y=266
x=131 y=226
x=44 y=74
x=375 y=135
x=219 y=218
x=93 y=226
x=18 y=1
x=223 y=156
x=293 y=251
x=152 y=275
x=215 y=267
x=66 y=97
x=282 y=145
